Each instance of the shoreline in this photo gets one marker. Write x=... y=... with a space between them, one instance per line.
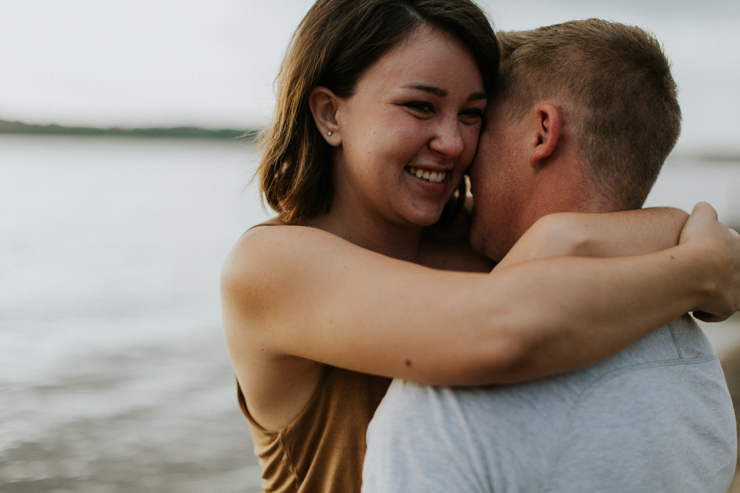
x=181 y=132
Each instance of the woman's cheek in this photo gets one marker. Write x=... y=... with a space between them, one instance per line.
x=470 y=140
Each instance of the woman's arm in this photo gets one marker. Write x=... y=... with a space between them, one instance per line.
x=300 y=292
x=610 y=234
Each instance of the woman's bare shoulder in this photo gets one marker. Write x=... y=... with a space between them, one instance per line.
x=275 y=245
x=268 y=264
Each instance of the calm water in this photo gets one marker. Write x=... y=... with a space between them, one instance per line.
x=113 y=371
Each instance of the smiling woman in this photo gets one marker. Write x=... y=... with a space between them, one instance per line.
x=419 y=107
x=380 y=106
x=374 y=130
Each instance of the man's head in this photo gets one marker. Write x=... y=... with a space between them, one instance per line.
x=586 y=115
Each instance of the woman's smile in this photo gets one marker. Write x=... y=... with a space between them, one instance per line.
x=426 y=175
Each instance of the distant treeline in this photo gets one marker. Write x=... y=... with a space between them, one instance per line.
x=248 y=135
x=727 y=157
x=7 y=127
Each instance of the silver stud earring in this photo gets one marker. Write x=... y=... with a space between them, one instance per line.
x=329 y=133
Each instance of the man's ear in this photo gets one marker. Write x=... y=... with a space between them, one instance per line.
x=324 y=105
x=548 y=125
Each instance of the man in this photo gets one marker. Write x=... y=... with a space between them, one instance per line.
x=585 y=117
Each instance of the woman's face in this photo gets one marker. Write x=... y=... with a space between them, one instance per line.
x=410 y=130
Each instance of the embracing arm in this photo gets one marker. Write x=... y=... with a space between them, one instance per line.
x=608 y=234
x=301 y=292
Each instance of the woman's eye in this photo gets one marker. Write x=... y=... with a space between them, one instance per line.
x=421 y=106
x=472 y=115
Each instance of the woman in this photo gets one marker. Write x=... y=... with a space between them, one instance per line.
x=380 y=106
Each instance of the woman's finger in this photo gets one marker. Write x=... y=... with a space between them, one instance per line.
x=702 y=208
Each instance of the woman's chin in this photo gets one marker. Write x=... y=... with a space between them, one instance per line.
x=424 y=217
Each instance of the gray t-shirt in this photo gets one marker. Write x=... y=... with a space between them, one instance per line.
x=656 y=417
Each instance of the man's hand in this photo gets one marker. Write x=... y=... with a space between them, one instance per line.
x=703 y=230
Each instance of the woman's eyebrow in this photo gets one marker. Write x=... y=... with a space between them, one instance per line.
x=438 y=91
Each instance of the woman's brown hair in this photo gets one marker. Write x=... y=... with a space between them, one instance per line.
x=334 y=44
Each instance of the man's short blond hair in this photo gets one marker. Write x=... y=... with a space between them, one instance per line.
x=614 y=85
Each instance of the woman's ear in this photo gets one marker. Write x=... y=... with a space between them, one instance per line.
x=549 y=125
x=324 y=104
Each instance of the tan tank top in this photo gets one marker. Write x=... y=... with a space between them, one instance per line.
x=323 y=449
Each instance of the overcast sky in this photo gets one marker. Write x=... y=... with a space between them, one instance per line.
x=213 y=62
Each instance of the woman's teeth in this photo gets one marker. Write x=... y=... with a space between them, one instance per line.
x=426 y=175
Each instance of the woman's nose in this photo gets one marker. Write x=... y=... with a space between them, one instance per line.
x=448 y=140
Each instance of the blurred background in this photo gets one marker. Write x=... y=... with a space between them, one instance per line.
x=123 y=186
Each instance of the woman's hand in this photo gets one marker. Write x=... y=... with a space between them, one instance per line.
x=703 y=230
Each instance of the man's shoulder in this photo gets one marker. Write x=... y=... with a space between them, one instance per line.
x=663 y=397
x=662 y=426
x=658 y=417
x=681 y=342
x=678 y=342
